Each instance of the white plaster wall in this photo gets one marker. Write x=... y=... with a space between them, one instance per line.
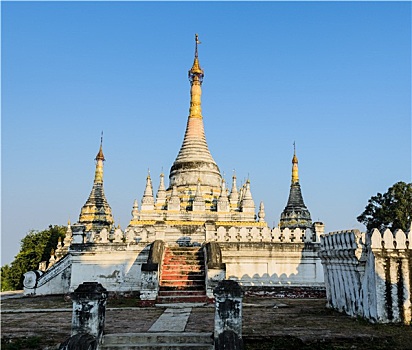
x=56 y=280
x=255 y=264
x=59 y=285
x=118 y=271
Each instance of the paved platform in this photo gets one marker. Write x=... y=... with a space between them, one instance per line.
x=11 y=294
x=286 y=323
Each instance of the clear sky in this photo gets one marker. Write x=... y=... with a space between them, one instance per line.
x=333 y=76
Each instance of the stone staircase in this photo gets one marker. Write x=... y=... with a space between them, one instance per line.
x=157 y=341
x=182 y=278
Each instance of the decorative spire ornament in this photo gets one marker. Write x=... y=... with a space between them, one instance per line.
x=196 y=73
x=223 y=201
x=174 y=200
x=96 y=213
x=194 y=158
x=295 y=170
x=234 y=194
x=98 y=177
x=135 y=210
x=198 y=202
x=148 y=199
x=68 y=236
x=248 y=205
x=261 y=213
x=198 y=194
x=161 y=192
x=295 y=214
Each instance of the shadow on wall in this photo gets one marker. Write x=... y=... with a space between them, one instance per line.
x=283 y=264
x=186 y=241
x=392 y=301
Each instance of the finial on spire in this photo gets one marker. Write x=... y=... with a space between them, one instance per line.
x=197 y=42
x=294 y=159
x=196 y=73
x=100 y=155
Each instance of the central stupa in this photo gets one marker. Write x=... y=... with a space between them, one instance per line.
x=197 y=190
x=194 y=162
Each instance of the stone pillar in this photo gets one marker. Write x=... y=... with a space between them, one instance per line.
x=78 y=233
x=228 y=316
x=89 y=308
x=150 y=281
x=216 y=269
x=319 y=229
x=406 y=278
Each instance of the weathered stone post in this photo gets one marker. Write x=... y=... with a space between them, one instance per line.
x=89 y=309
x=151 y=272
x=228 y=316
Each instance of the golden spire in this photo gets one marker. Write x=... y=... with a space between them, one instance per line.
x=194 y=158
x=98 y=175
x=196 y=78
x=296 y=214
x=100 y=155
x=295 y=173
x=96 y=213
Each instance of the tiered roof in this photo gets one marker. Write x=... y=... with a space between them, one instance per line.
x=96 y=213
x=295 y=214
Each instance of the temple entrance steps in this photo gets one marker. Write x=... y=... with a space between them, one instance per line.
x=182 y=278
x=157 y=341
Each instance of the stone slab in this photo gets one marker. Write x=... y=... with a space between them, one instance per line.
x=172 y=320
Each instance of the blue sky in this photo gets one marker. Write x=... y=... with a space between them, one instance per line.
x=333 y=76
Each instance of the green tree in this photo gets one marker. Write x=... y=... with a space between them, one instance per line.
x=391 y=210
x=5 y=272
x=35 y=247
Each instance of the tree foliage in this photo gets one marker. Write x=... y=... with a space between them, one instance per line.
x=35 y=247
x=392 y=210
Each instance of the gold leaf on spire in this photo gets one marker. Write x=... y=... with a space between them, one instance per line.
x=295 y=170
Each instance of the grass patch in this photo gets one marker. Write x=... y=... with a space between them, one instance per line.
x=288 y=342
x=34 y=342
x=123 y=302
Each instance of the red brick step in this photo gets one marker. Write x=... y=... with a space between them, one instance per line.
x=182 y=277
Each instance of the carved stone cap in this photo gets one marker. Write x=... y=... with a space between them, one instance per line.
x=228 y=288
x=89 y=290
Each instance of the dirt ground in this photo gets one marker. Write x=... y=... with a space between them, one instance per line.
x=268 y=323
